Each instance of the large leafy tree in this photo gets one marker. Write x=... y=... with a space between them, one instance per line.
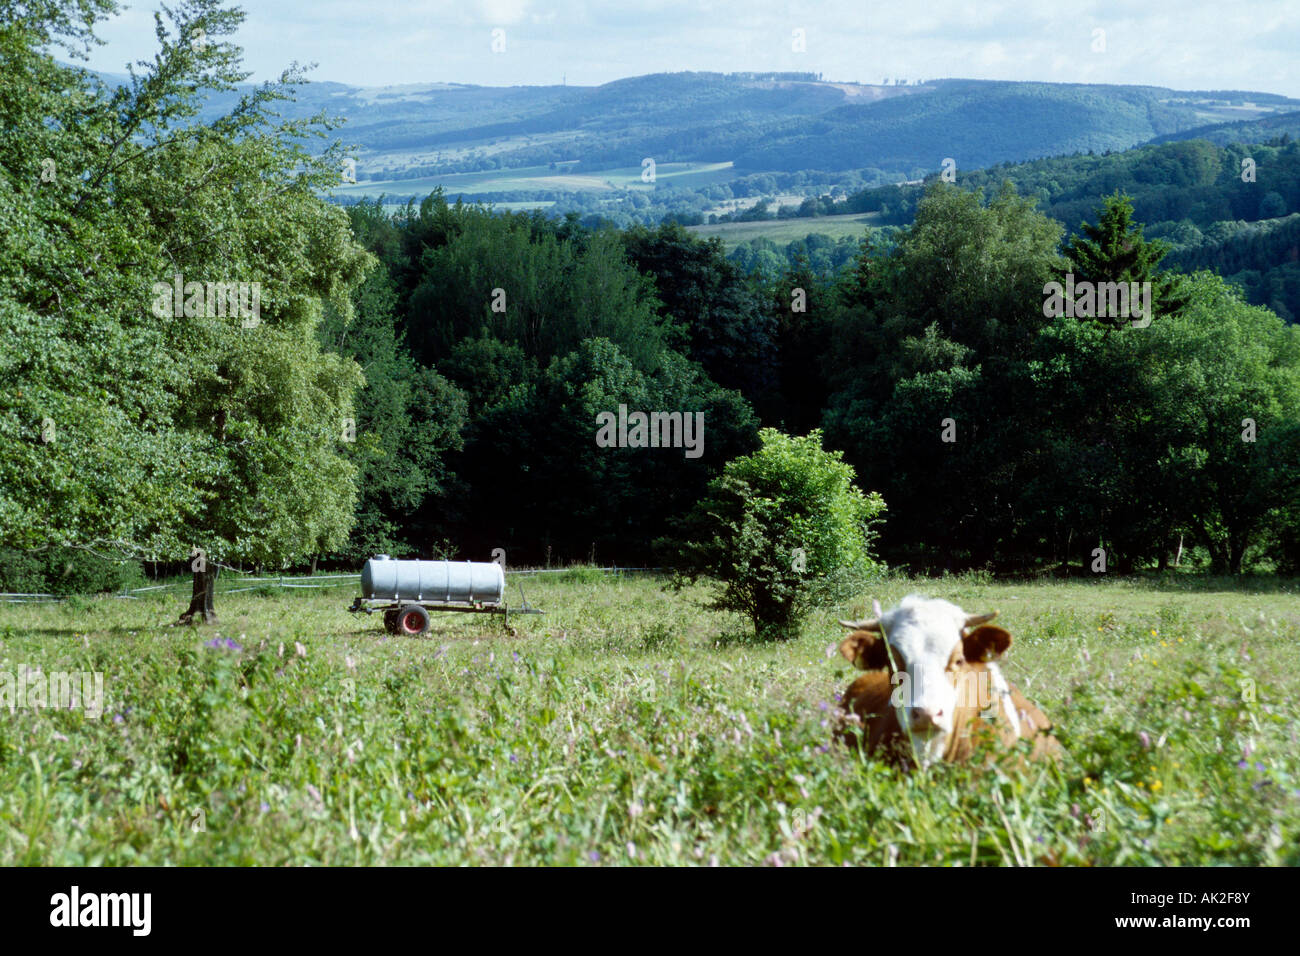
x=1227 y=376
x=732 y=335
x=225 y=431
x=89 y=383
x=409 y=417
x=933 y=405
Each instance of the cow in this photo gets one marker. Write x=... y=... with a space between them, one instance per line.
x=931 y=691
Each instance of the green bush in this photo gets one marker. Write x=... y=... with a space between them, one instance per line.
x=66 y=571
x=781 y=531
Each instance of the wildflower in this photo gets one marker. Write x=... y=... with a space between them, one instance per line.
x=1156 y=786
x=299 y=649
x=593 y=856
x=1145 y=738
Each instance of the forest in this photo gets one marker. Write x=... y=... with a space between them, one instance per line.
x=429 y=381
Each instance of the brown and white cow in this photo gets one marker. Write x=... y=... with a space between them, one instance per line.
x=931 y=690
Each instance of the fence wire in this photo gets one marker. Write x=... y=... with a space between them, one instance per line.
x=288 y=582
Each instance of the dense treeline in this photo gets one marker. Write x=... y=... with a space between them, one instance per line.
x=997 y=435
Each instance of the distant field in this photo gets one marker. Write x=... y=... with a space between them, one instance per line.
x=782 y=231
x=629 y=726
x=543 y=178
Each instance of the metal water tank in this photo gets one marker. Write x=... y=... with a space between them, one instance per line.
x=435 y=582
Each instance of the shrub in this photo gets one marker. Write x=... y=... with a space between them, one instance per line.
x=66 y=571
x=780 y=531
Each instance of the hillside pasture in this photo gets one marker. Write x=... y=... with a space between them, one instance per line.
x=628 y=726
x=783 y=231
x=544 y=179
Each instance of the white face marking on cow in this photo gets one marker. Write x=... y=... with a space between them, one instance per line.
x=923 y=634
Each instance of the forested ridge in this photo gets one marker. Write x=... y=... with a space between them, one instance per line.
x=1229 y=208
x=428 y=381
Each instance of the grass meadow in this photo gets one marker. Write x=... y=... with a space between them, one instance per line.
x=784 y=231
x=630 y=726
x=543 y=178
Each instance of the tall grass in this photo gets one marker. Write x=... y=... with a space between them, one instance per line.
x=626 y=726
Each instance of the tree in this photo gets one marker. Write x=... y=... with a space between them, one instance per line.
x=781 y=530
x=89 y=457
x=931 y=399
x=1229 y=374
x=409 y=418
x=227 y=435
x=1114 y=250
x=731 y=334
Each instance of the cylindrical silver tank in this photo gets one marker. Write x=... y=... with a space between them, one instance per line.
x=436 y=582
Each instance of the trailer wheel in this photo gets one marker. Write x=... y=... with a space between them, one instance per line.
x=413 y=619
x=390 y=621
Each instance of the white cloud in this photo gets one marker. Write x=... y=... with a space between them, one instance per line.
x=1186 y=44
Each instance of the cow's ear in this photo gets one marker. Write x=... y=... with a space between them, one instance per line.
x=985 y=643
x=864 y=651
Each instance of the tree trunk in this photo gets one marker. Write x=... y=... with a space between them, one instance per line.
x=1236 y=552
x=201 y=597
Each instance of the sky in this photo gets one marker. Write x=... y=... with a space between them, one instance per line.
x=1193 y=45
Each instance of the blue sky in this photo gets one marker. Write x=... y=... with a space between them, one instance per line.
x=1197 y=44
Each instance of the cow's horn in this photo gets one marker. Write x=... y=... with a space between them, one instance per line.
x=977 y=619
x=869 y=624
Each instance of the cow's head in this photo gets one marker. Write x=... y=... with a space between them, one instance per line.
x=931 y=643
